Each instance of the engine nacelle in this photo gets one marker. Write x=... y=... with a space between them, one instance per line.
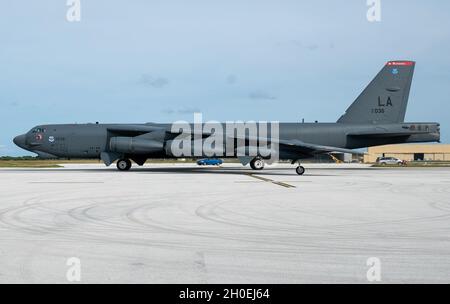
x=133 y=145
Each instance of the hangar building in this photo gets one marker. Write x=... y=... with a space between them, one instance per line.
x=410 y=152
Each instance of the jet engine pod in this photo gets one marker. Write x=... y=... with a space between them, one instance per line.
x=133 y=145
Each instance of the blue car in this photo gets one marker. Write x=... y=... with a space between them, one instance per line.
x=209 y=162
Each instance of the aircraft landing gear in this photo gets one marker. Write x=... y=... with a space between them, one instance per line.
x=257 y=163
x=123 y=164
x=300 y=170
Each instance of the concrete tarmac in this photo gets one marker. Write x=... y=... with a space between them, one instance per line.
x=170 y=223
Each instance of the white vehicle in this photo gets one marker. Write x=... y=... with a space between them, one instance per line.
x=390 y=161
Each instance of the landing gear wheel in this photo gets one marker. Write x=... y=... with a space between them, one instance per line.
x=300 y=170
x=123 y=164
x=257 y=163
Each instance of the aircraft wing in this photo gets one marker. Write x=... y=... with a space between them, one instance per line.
x=370 y=134
x=133 y=130
x=294 y=144
x=303 y=147
x=315 y=149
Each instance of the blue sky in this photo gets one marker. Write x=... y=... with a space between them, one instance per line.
x=142 y=61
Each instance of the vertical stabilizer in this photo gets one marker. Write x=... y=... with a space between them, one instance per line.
x=385 y=99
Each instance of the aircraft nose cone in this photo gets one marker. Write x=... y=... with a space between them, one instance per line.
x=20 y=141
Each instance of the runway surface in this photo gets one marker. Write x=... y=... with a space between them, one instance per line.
x=188 y=224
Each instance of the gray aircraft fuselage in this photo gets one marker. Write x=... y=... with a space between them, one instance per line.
x=89 y=140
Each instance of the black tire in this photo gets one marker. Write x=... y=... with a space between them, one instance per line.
x=257 y=163
x=123 y=164
x=300 y=170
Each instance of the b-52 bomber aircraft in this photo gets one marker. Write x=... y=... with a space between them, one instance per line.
x=375 y=118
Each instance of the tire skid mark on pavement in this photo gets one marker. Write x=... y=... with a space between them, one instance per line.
x=264 y=179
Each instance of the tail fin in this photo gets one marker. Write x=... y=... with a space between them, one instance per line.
x=385 y=99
